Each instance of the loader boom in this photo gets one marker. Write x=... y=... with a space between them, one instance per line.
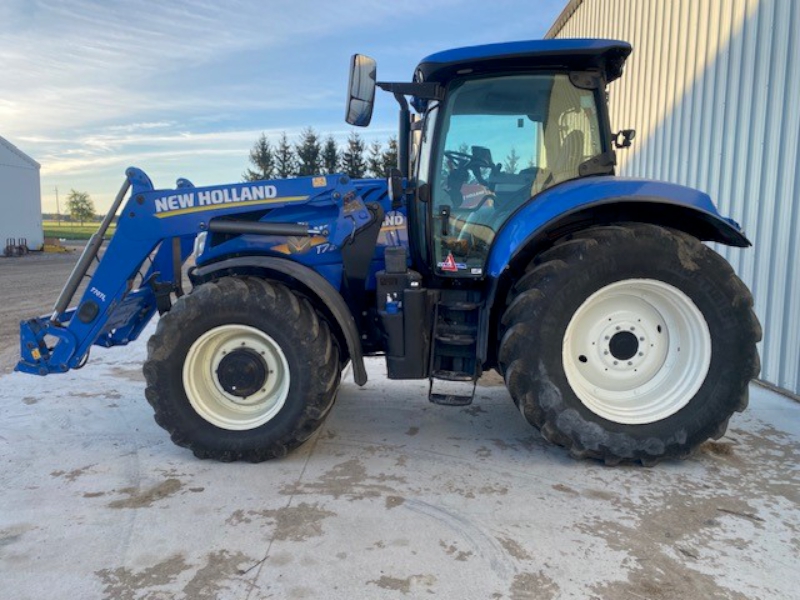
x=155 y=235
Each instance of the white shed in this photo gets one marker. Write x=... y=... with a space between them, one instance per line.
x=20 y=197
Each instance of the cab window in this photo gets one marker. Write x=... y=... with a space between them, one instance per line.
x=503 y=140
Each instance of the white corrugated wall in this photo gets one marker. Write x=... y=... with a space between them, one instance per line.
x=713 y=90
x=20 y=198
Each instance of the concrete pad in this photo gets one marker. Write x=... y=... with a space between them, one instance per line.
x=393 y=498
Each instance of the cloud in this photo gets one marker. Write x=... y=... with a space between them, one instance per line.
x=95 y=85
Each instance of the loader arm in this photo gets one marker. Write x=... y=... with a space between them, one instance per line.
x=141 y=266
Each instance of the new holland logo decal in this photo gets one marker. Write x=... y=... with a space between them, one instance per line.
x=204 y=200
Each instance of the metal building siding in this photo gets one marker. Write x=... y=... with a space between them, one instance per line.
x=20 y=197
x=713 y=90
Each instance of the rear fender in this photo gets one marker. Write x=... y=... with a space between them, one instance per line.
x=621 y=198
x=320 y=291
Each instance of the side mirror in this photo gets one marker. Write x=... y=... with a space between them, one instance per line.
x=361 y=90
x=627 y=136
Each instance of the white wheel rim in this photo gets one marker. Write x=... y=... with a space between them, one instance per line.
x=208 y=396
x=671 y=359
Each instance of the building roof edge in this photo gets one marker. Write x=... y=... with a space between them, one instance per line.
x=19 y=152
x=562 y=19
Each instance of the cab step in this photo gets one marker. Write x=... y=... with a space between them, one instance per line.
x=450 y=399
x=453 y=388
x=452 y=375
x=455 y=366
x=455 y=339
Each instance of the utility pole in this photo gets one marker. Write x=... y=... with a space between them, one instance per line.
x=58 y=209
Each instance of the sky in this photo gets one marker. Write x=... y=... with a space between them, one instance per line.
x=184 y=89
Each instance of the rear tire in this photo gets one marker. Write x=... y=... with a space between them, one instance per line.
x=241 y=369
x=629 y=343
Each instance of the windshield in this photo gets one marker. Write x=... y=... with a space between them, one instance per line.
x=502 y=140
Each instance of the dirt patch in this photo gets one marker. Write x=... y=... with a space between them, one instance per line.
x=534 y=586
x=600 y=495
x=125 y=584
x=394 y=501
x=144 y=498
x=214 y=576
x=221 y=569
x=514 y=548
x=72 y=475
x=405 y=585
x=717 y=448
x=131 y=374
x=292 y=523
x=491 y=379
x=452 y=550
x=560 y=487
x=350 y=480
x=471 y=493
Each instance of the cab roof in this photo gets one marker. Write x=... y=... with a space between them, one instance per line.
x=571 y=54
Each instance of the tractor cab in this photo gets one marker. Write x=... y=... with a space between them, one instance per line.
x=499 y=125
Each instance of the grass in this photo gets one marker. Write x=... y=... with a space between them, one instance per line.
x=73 y=231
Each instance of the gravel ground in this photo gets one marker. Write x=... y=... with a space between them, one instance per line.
x=29 y=286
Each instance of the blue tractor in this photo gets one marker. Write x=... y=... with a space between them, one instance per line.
x=507 y=243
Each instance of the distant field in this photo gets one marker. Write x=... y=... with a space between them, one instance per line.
x=73 y=231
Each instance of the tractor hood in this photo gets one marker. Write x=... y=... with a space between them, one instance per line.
x=570 y=54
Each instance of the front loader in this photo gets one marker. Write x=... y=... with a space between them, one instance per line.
x=507 y=243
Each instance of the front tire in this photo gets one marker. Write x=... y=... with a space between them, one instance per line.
x=241 y=369
x=629 y=343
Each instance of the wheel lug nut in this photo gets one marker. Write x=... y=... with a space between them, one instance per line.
x=641 y=339
x=617 y=327
x=641 y=353
x=615 y=362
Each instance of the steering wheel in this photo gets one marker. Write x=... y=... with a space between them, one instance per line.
x=468 y=162
x=461 y=160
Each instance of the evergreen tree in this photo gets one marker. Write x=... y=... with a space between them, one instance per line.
x=389 y=157
x=375 y=160
x=262 y=158
x=330 y=156
x=353 y=161
x=309 y=153
x=512 y=161
x=285 y=162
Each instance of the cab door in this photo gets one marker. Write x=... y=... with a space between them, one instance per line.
x=499 y=141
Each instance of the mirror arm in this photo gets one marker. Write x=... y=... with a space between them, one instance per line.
x=427 y=91
x=403 y=134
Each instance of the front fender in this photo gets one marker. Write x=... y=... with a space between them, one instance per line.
x=315 y=283
x=666 y=203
